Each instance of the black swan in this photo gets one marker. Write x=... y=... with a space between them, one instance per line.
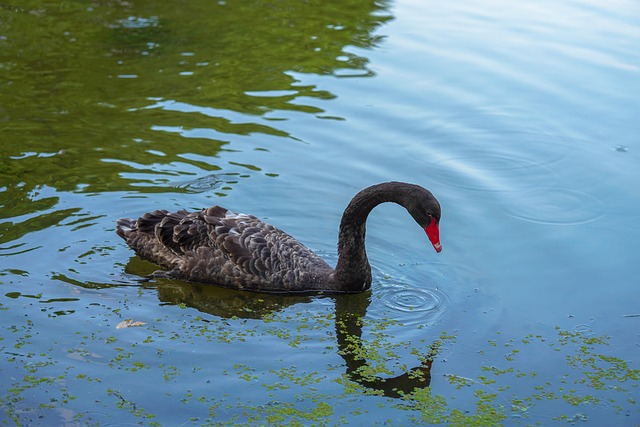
x=239 y=251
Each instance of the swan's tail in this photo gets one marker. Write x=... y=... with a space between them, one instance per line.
x=124 y=226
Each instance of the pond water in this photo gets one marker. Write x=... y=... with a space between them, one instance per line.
x=521 y=117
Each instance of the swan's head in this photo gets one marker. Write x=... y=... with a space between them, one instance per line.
x=425 y=209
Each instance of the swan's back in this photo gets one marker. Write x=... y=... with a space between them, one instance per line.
x=225 y=248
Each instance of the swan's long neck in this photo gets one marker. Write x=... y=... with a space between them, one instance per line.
x=353 y=272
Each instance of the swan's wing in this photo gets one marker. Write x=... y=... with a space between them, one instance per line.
x=254 y=246
x=242 y=239
x=165 y=237
x=220 y=246
x=182 y=232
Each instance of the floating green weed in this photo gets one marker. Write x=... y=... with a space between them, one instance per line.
x=368 y=370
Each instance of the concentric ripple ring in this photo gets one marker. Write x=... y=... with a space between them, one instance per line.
x=412 y=305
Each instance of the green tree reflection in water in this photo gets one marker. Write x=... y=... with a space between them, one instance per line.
x=144 y=96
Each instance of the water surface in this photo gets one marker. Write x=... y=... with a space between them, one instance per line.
x=521 y=118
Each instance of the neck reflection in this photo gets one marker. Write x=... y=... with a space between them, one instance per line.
x=350 y=310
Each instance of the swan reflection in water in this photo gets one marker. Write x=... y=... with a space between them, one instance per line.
x=350 y=309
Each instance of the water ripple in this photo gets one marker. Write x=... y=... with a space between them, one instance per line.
x=411 y=300
x=410 y=305
x=201 y=184
x=490 y=172
x=502 y=150
x=556 y=206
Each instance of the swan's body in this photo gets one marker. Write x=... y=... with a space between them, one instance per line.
x=240 y=251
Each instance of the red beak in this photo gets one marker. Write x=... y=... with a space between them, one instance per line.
x=433 y=232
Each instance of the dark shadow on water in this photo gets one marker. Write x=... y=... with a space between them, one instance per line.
x=349 y=312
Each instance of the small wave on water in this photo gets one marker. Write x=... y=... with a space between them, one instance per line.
x=556 y=206
x=409 y=305
x=201 y=184
x=425 y=294
x=423 y=302
x=501 y=150
x=583 y=329
x=490 y=172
